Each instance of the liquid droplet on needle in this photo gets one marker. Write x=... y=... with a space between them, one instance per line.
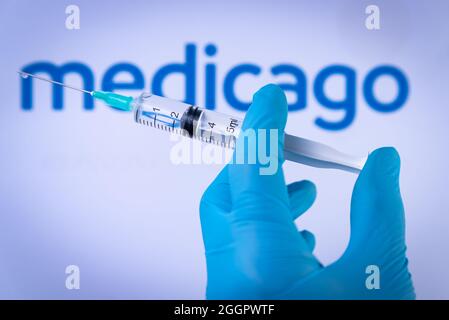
x=26 y=75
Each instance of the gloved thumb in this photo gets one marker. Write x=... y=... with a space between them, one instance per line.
x=261 y=139
x=377 y=212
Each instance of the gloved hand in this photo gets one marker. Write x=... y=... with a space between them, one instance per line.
x=254 y=250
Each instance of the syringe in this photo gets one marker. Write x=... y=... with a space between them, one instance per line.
x=213 y=127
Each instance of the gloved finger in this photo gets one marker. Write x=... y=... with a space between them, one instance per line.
x=217 y=193
x=252 y=177
x=215 y=206
x=302 y=195
x=310 y=239
x=377 y=212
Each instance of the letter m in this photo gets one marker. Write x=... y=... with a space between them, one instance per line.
x=57 y=74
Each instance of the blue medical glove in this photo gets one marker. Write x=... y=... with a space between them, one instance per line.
x=254 y=250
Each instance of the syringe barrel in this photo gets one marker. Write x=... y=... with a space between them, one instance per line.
x=179 y=117
x=218 y=128
x=223 y=130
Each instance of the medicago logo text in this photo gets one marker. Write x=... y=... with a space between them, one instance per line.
x=188 y=68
